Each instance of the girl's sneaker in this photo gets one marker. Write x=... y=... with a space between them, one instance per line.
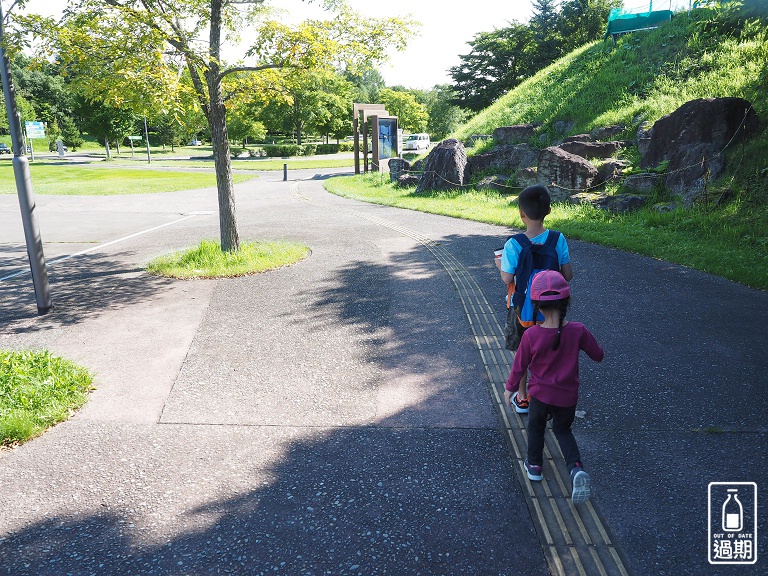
x=534 y=472
x=521 y=405
x=582 y=485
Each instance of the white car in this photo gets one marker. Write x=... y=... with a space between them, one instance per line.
x=417 y=142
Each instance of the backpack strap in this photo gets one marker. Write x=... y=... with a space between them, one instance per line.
x=517 y=294
x=552 y=238
x=522 y=239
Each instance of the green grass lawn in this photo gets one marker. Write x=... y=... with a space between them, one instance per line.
x=723 y=241
x=206 y=260
x=267 y=164
x=37 y=390
x=56 y=178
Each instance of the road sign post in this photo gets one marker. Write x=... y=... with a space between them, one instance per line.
x=24 y=188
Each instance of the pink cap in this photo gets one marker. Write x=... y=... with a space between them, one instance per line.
x=549 y=285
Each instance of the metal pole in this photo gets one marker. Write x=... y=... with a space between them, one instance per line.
x=24 y=188
x=285 y=172
x=146 y=137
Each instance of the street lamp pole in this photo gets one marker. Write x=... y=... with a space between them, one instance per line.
x=24 y=188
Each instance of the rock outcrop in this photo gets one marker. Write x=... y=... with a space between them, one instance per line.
x=515 y=134
x=692 y=139
x=508 y=157
x=446 y=167
x=564 y=173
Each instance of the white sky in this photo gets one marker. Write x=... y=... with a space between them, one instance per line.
x=446 y=28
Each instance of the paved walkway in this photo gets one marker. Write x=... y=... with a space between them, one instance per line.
x=341 y=416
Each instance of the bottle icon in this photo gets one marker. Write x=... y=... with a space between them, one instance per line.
x=733 y=512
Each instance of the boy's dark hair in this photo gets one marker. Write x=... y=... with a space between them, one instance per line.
x=534 y=201
x=562 y=305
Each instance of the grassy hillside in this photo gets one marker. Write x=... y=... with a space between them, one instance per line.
x=643 y=77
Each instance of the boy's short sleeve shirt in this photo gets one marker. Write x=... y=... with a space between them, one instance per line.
x=512 y=250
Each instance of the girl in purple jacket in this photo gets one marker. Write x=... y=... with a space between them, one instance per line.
x=550 y=351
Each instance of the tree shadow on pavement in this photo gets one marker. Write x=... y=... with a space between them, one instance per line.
x=83 y=288
x=349 y=501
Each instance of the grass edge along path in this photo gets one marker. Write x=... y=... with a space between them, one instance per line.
x=715 y=240
x=206 y=260
x=37 y=391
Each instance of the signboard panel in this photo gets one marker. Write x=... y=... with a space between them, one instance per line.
x=35 y=129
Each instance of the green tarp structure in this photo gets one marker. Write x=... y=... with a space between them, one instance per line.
x=619 y=23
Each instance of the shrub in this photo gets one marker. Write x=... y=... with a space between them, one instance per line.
x=284 y=150
x=309 y=149
x=327 y=148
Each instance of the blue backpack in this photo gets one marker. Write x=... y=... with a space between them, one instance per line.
x=533 y=258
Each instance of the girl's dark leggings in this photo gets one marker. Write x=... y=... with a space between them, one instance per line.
x=562 y=419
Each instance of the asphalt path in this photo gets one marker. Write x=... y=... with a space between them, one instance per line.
x=334 y=417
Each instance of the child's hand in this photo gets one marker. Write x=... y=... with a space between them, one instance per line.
x=508 y=398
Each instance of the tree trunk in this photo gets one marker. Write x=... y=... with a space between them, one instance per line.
x=230 y=240
x=106 y=144
x=217 y=122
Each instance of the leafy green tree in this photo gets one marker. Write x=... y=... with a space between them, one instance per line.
x=582 y=21
x=444 y=115
x=498 y=62
x=242 y=124
x=26 y=112
x=126 y=53
x=368 y=82
x=411 y=115
x=107 y=123
x=546 y=36
x=169 y=129
x=70 y=134
x=42 y=83
x=334 y=116
x=318 y=102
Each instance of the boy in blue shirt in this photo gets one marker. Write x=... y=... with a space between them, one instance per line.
x=534 y=204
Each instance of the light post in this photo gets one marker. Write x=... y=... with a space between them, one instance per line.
x=24 y=188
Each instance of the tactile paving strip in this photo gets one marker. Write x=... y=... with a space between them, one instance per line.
x=574 y=538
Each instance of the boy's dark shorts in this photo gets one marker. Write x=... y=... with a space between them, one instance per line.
x=513 y=331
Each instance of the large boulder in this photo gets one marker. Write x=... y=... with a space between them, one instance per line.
x=515 y=134
x=605 y=132
x=690 y=169
x=618 y=203
x=578 y=138
x=499 y=183
x=692 y=139
x=643 y=183
x=594 y=149
x=509 y=157
x=644 y=137
x=612 y=170
x=564 y=173
x=715 y=121
x=398 y=167
x=407 y=181
x=527 y=177
x=446 y=167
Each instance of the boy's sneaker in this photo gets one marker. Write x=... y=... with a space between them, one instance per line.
x=534 y=472
x=582 y=485
x=521 y=405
